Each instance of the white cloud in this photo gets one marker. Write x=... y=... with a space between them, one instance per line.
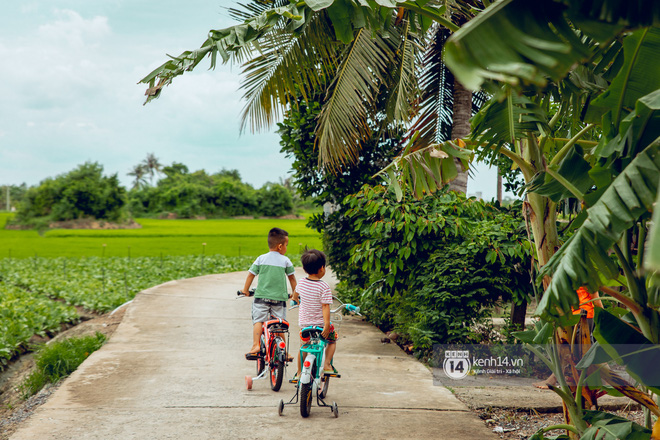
x=72 y=30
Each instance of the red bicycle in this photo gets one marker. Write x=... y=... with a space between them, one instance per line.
x=272 y=356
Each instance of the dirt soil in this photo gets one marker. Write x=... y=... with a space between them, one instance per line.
x=13 y=408
x=523 y=423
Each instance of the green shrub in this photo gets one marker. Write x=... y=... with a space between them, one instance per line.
x=274 y=200
x=432 y=268
x=81 y=193
x=59 y=359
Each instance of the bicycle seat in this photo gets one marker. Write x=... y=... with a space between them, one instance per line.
x=277 y=325
x=311 y=332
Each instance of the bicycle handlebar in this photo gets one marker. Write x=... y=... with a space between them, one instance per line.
x=350 y=307
x=240 y=294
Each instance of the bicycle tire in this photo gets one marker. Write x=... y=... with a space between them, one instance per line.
x=276 y=366
x=306 y=399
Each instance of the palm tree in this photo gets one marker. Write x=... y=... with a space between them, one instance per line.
x=138 y=173
x=352 y=76
x=151 y=166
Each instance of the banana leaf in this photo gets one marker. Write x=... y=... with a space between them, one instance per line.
x=652 y=260
x=618 y=341
x=512 y=41
x=583 y=258
x=574 y=169
x=601 y=19
x=503 y=121
x=606 y=426
x=639 y=76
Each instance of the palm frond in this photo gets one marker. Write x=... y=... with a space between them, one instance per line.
x=223 y=42
x=434 y=117
x=427 y=169
x=343 y=122
x=288 y=65
x=404 y=79
x=245 y=11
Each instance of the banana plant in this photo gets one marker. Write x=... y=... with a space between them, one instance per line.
x=610 y=164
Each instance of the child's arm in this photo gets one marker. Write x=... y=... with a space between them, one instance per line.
x=248 y=283
x=295 y=297
x=326 y=320
x=292 y=281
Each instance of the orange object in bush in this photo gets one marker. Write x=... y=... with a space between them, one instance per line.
x=584 y=296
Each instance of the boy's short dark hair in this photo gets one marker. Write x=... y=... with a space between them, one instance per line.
x=276 y=236
x=313 y=260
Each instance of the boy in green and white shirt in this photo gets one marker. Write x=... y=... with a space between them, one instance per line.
x=271 y=295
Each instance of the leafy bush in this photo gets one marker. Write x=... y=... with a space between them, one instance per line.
x=274 y=200
x=82 y=193
x=197 y=194
x=431 y=268
x=58 y=360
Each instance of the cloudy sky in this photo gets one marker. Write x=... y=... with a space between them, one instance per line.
x=69 y=93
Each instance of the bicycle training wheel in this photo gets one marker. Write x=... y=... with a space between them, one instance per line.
x=277 y=365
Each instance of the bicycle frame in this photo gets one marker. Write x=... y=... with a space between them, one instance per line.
x=312 y=354
x=272 y=356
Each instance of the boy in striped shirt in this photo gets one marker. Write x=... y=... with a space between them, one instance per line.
x=315 y=297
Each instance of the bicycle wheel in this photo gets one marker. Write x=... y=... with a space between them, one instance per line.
x=277 y=365
x=324 y=389
x=261 y=364
x=306 y=399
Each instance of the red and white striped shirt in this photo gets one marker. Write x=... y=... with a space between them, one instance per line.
x=313 y=294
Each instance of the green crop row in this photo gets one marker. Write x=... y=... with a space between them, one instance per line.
x=24 y=314
x=37 y=294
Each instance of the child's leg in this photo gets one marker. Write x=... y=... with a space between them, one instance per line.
x=259 y=316
x=329 y=354
x=256 y=337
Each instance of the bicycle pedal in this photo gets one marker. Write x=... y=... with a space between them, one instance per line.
x=332 y=375
x=252 y=356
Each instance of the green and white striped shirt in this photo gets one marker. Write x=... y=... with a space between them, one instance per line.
x=272 y=269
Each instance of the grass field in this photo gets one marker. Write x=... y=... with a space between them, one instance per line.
x=228 y=237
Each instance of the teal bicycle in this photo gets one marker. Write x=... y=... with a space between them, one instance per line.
x=312 y=378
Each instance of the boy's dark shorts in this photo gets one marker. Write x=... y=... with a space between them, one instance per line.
x=263 y=310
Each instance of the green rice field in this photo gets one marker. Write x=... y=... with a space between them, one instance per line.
x=230 y=237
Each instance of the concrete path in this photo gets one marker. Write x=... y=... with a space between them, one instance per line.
x=175 y=369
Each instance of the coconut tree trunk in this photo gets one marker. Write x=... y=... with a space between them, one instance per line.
x=462 y=113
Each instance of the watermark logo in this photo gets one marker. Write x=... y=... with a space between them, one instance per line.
x=457 y=363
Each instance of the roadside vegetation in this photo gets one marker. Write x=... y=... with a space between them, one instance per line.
x=39 y=295
x=58 y=360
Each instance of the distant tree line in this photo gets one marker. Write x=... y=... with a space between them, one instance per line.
x=11 y=195
x=222 y=194
x=158 y=191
